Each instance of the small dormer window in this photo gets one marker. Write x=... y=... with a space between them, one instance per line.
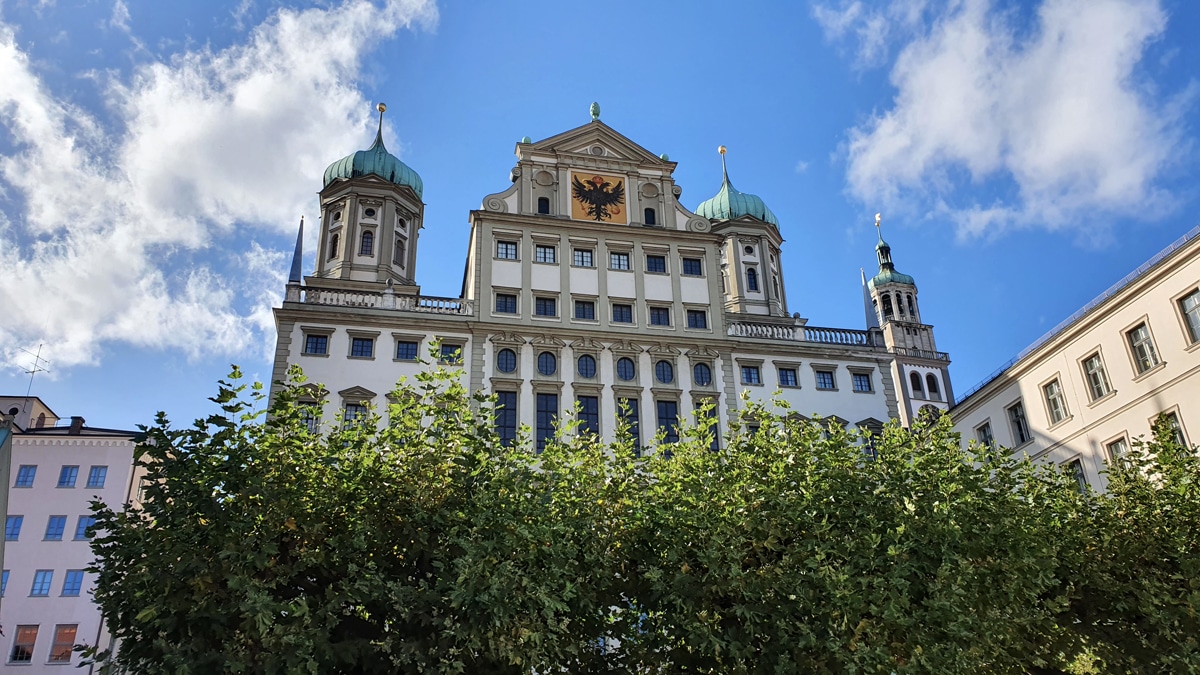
x=543 y=205
x=369 y=213
x=651 y=217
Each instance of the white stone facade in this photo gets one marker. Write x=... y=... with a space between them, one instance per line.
x=1081 y=394
x=614 y=305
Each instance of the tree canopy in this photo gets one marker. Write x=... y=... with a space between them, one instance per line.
x=417 y=541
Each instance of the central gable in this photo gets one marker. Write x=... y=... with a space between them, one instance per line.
x=599 y=140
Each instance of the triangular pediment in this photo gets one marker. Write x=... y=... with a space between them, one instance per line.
x=357 y=393
x=598 y=139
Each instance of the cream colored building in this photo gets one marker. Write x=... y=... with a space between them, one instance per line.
x=56 y=470
x=1083 y=392
x=588 y=283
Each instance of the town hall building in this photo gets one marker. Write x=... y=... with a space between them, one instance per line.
x=590 y=290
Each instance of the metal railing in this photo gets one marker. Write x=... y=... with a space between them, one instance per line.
x=1085 y=310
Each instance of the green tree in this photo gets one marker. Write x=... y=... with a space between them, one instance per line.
x=420 y=543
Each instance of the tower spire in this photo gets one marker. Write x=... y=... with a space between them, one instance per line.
x=724 y=171
x=868 y=307
x=379 y=134
x=297 y=265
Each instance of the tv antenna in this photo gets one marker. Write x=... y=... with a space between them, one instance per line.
x=38 y=366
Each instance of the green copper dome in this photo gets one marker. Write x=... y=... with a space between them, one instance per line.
x=887 y=271
x=375 y=161
x=731 y=203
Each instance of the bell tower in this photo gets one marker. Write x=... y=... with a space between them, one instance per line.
x=371 y=216
x=919 y=369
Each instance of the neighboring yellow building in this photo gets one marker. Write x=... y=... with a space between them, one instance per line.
x=1081 y=394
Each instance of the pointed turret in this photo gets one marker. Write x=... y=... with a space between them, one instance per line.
x=297 y=273
x=868 y=306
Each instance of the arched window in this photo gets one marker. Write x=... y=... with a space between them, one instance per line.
x=912 y=308
x=664 y=372
x=399 y=251
x=506 y=361
x=651 y=217
x=333 y=245
x=547 y=363
x=625 y=368
x=899 y=305
x=752 y=279
x=543 y=205
x=587 y=366
x=915 y=380
x=367 y=245
x=887 y=305
x=931 y=386
x=41 y=420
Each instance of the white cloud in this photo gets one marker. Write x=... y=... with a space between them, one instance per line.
x=112 y=232
x=1054 y=120
x=120 y=16
x=801 y=166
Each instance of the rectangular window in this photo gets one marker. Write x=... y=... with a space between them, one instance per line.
x=715 y=429
x=622 y=314
x=547 y=413
x=585 y=310
x=692 y=267
x=751 y=375
x=55 y=527
x=983 y=433
x=354 y=413
x=545 y=307
x=627 y=408
x=668 y=420
x=697 y=318
x=660 y=316
x=1097 y=379
x=618 y=261
x=83 y=527
x=1144 y=355
x=363 y=348
x=1056 y=403
x=41 y=583
x=656 y=263
x=1176 y=428
x=544 y=254
x=1018 y=425
x=316 y=344
x=860 y=382
x=506 y=250
x=25 y=475
x=450 y=355
x=589 y=414
x=64 y=642
x=1117 y=450
x=788 y=377
x=1075 y=467
x=22 y=651
x=67 y=476
x=583 y=257
x=3 y=583
x=825 y=379
x=310 y=413
x=1190 y=306
x=12 y=527
x=506 y=417
x=506 y=303
x=406 y=350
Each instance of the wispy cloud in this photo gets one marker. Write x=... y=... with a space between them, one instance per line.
x=1056 y=120
x=108 y=231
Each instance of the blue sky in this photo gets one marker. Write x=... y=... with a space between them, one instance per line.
x=155 y=157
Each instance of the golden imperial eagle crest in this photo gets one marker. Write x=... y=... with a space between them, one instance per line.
x=598 y=198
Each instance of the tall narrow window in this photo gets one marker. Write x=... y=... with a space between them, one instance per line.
x=651 y=217
x=12 y=527
x=627 y=408
x=64 y=643
x=1144 y=355
x=703 y=415
x=589 y=414
x=1018 y=425
x=398 y=251
x=752 y=279
x=543 y=205
x=1190 y=306
x=1117 y=449
x=914 y=379
x=931 y=387
x=1097 y=379
x=547 y=413
x=668 y=420
x=983 y=434
x=366 y=245
x=506 y=417
x=1056 y=403
x=22 y=651
x=333 y=245
x=1075 y=467
x=1176 y=428
x=887 y=305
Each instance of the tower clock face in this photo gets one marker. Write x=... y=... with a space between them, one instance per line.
x=598 y=197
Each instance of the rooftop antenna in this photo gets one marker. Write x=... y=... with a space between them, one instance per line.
x=33 y=370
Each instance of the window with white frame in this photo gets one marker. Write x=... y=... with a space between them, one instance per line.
x=618 y=261
x=861 y=382
x=751 y=375
x=1141 y=344
x=1189 y=305
x=1117 y=449
x=825 y=379
x=545 y=253
x=583 y=257
x=1056 y=403
x=788 y=377
x=506 y=250
x=983 y=434
x=1018 y=424
x=1097 y=378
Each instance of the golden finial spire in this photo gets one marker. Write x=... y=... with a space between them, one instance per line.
x=724 y=172
x=379 y=134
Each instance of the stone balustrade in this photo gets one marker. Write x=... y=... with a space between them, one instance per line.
x=765 y=331
x=828 y=336
x=386 y=300
x=922 y=354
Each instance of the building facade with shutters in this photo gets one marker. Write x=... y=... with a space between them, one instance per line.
x=57 y=468
x=589 y=289
x=1082 y=393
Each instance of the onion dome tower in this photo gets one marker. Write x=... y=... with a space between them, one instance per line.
x=371 y=215
x=752 y=271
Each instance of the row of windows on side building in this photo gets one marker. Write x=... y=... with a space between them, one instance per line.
x=67 y=476
x=26 y=639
